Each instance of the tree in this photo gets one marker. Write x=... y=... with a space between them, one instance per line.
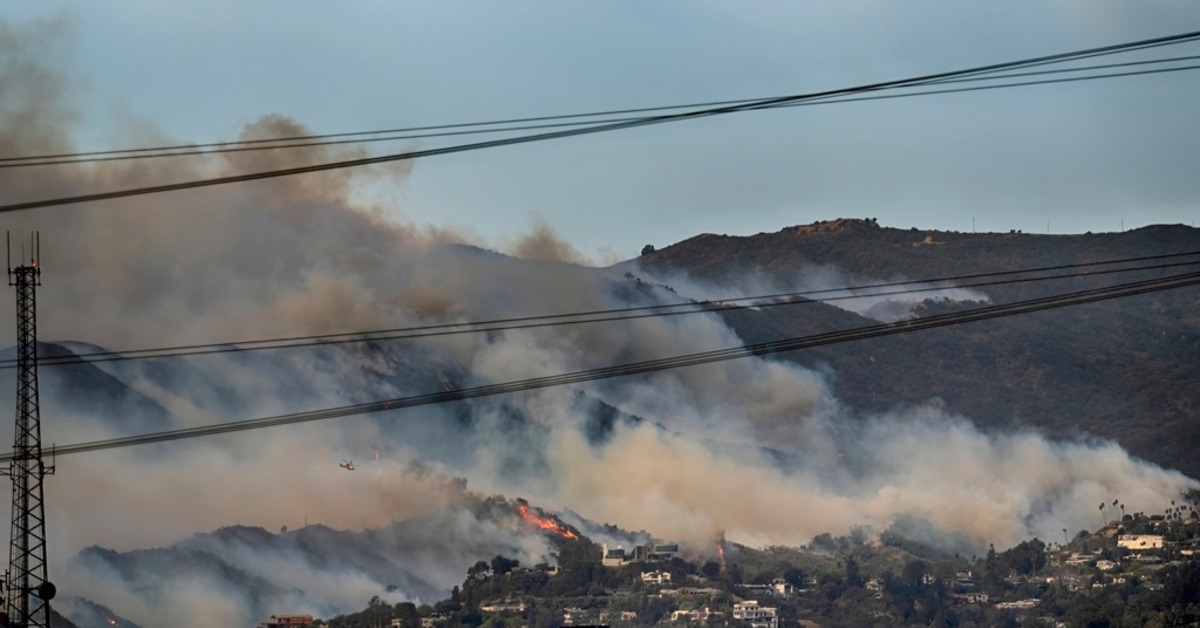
x=824 y=542
x=796 y=577
x=408 y=615
x=991 y=568
x=914 y=574
x=451 y=605
x=478 y=572
x=502 y=565
x=648 y=249
x=853 y=576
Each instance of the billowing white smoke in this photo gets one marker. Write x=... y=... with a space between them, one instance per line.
x=874 y=299
x=885 y=300
x=988 y=489
x=247 y=572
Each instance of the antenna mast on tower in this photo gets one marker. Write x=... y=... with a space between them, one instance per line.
x=29 y=592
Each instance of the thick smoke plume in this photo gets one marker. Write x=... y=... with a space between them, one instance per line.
x=241 y=572
x=758 y=448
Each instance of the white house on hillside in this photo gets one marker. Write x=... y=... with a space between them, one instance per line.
x=656 y=577
x=1140 y=542
x=758 y=616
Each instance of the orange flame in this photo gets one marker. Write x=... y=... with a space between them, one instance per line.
x=721 y=550
x=546 y=523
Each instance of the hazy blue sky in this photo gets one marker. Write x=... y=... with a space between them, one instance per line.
x=1081 y=157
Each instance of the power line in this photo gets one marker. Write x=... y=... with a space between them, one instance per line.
x=649 y=366
x=607 y=315
x=389 y=138
x=767 y=103
x=959 y=90
x=532 y=322
x=1103 y=66
x=510 y=126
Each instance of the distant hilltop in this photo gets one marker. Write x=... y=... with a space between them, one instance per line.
x=1122 y=369
x=838 y=225
x=860 y=247
x=869 y=225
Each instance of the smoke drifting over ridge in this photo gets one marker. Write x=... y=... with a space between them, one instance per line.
x=301 y=255
x=245 y=572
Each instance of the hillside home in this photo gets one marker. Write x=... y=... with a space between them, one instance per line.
x=288 y=621
x=694 y=615
x=614 y=557
x=1079 y=559
x=617 y=556
x=757 y=616
x=1025 y=604
x=656 y=577
x=1140 y=542
x=503 y=606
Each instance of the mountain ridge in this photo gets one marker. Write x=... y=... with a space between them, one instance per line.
x=1117 y=370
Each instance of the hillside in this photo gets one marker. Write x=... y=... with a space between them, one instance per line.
x=1122 y=370
x=1095 y=579
x=760 y=451
x=247 y=572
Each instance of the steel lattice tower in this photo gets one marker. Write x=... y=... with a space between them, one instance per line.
x=29 y=592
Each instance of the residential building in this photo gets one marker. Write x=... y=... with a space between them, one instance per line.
x=617 y=556
x=1079 y=559
x=288 y=621
x=1140 y=542
x=758 y=616
x=661 y=551
x=579 y=617
x=695 y=615
x=501 y=606
x=1019 y=604
x=965 y=581
x=656 y=577
x=614 y=557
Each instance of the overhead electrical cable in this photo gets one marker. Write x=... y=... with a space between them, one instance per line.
x=588 y=130
x=242 y=149
x=1085 y=68
x=1106 y=51
x=602 y=316
x=980 y=88
x=649 y=366
x=335 y=139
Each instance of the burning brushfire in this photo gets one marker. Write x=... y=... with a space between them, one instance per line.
x=549 y=524
x=721 y=550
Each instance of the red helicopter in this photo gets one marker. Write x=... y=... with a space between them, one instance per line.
x=347 y=465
